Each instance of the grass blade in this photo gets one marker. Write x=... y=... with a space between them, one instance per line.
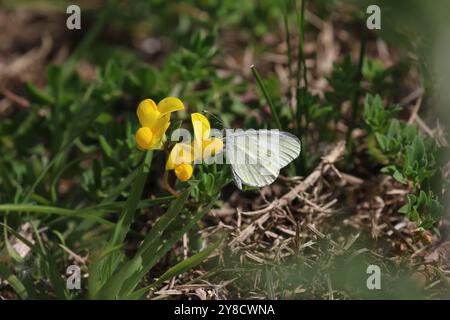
x=186 y=264
x=177 y=269
x=13 y=281
x=286 y=10
x=9 y=248
x=52 y=210
x=151 y=258
x=162 y=224
x=302 y=107
x=127 y=215
x=109 y=286
x=136 y=267
x=267 y=96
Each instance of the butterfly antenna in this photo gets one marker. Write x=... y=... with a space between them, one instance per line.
x=215 y=117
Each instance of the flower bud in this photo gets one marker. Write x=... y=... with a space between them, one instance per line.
x=184 y=171
x=144 y=138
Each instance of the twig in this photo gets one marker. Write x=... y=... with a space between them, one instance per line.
x=422 y=125
x=411 y=97
x=415 y=110
x=22 y=102
x=249 y=230
x=330 y=288
x=399 y=234
x=185 y=246
x=324 y=165
x=75 y=256
x=443 y=277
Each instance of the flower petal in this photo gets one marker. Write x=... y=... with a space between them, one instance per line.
x=202 y=128
x=184 y=171
x=159 y=129
x=147 y=113
x=170 y=104
x=211 y=147
x=181 y=153
x=144 y=137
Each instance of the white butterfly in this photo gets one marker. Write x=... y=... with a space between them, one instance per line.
x=257 y=156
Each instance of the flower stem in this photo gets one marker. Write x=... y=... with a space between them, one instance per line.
x=167 y=184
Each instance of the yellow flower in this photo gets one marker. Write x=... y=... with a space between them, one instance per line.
x=155 y=120
x=180 y=159
x=204 y=145
x=184 y=172
x=182 y=154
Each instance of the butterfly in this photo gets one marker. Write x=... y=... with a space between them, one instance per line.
x=257 y=156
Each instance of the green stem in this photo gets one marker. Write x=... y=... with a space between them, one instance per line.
x=289 y=56
x=302 y=107
x=305 y=70
x=357 y=80
x=302 y=32
x=266 y=95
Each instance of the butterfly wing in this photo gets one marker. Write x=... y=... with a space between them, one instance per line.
x=251 y=176
x=289 y=149
x=256 y=157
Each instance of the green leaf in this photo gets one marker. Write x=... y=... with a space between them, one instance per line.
x=382 y=141
x=187 y=264
x=409 y=133
x=149 y=247
x=37 y=95
x=97 y=269
x=179 y=268
x=120 y=231
x=105 y=146
x=112 y=287
x=413 y=215
x=418 y=149
x=9 y=248
x=18 y=235
x=55 y=278
x=13 y=281
x=422 y=199
x=82 y=214
x=151 y=257
x=404 y=209
x=134 y=267
x=372 y=68
x=388 y=169
x=394 y=129
x=154 y=236
x=127 y=215
x=399 y=177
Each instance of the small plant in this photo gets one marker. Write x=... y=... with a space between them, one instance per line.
x=408 y=156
